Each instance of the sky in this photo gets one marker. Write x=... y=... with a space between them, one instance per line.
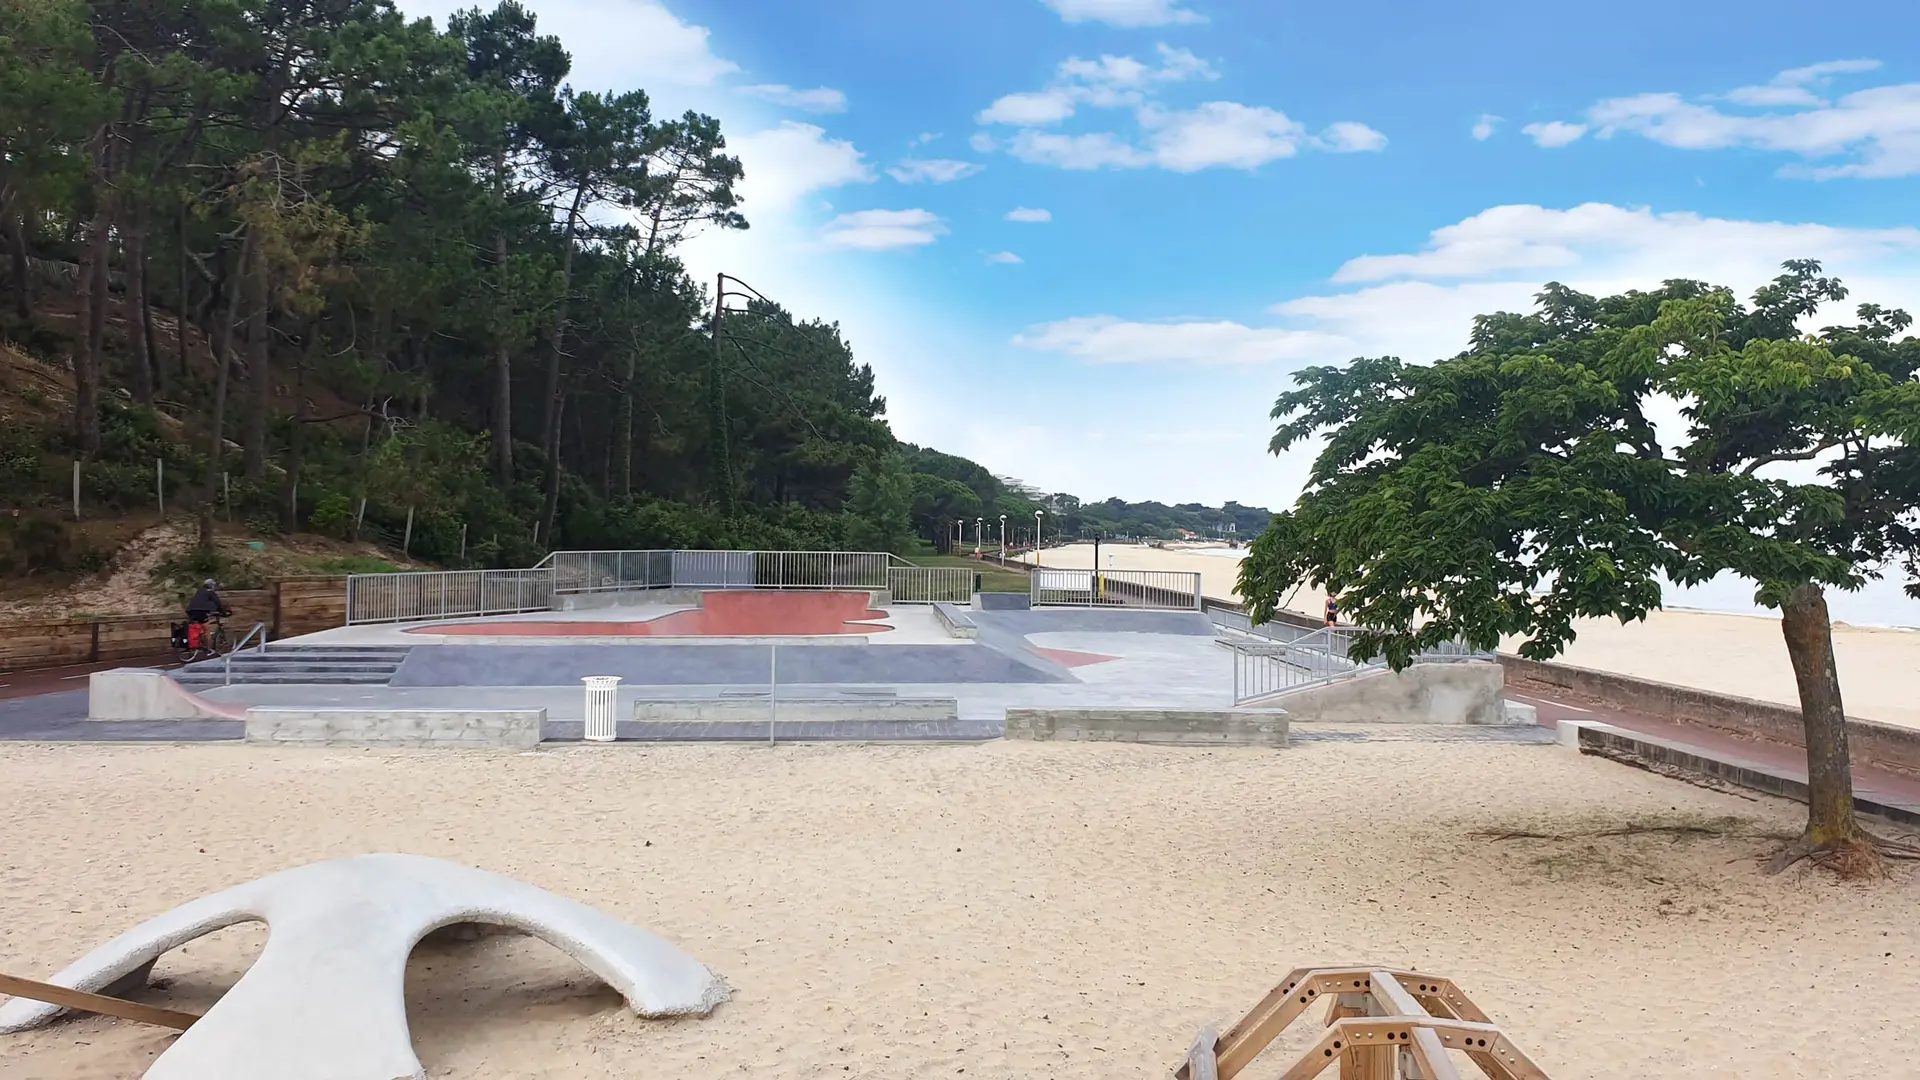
x=1087 y=242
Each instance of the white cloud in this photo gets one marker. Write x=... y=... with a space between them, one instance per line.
x=1005 y=258
x=883 y=230
x=1483 y=127
x=933 y=171
x=1125 y=13
x=1877 y=128
x=1532 y=240
x=791 y=160
x=820 y=99
x=1104 y=339
x=982 y=143
x=1022 y=213
x=923 y=138
x=1554 y=133
x=1110 y=82
x=1212 y=134
x=1347 y=137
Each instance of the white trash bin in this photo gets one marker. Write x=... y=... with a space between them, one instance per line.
x=602 y=691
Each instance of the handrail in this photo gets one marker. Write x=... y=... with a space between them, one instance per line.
x=258 y=628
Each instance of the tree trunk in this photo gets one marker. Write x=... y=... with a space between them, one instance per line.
x=222 y=364
x=550 y=439
x=553 y=474
x=185 y=301
x=152 y=339
x=290 y=500
x=1809 y=636
x=134 y=247
x=259 y=379
x=17 y=245
x=502 y=383
x=93 y=326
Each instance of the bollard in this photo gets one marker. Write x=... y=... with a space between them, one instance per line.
x=601 y=693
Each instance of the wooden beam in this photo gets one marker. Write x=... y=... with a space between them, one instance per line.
x=1433 y=1059
x=69 y=998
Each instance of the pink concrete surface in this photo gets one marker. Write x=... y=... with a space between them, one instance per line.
x=721 y=614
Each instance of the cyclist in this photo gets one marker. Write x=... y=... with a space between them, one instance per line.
x=206 y=604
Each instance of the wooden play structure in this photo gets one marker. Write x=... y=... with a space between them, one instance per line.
x=1381 y=1025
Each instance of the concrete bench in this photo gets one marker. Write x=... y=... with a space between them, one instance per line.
x=497 y=728
x=849 y=709
x=1163 y=727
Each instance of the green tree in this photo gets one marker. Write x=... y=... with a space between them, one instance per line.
x=880 y=505
x=1525 y=483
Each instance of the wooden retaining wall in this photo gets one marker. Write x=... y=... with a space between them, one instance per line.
x=289 y=606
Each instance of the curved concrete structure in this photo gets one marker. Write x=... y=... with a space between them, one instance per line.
x=145 y=694
x=720 y=614
x=325 y=999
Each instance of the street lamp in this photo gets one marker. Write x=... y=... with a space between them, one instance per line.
x=979 y=533
x=1036 y=536
x=1003 y=538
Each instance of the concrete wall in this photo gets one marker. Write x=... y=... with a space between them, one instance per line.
x=594 y=601
x=1871 y=742
x=1465 y=692
x=288 y=606
x=837 y=710
x=1161 y=727
x=145 y=694
x=498 y=728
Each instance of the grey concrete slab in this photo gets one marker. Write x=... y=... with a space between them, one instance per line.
x=1097 y=621
x=680 y=665
x=628 y=731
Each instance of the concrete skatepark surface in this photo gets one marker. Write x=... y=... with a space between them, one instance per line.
x=720 y=614
x=325 y=999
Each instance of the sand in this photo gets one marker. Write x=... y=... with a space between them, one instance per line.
x=1008 y=910
x=1729 y=654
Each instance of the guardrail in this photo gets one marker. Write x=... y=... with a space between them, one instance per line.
x=1166 y=589
x=447 y=594
x=1275 y=658
x=258 y=628
x=930 y=584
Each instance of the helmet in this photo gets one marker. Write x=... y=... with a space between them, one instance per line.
x=208 y=583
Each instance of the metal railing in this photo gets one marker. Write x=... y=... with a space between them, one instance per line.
x=930 y=584
x=1277 y=658
x=260 y=628
x=446 y=594
x=1167 y=589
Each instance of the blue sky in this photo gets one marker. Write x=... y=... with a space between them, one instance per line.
x=1235 y=189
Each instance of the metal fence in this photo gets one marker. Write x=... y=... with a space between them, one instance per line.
x=1178 y=590
x=441 y=594
x=445 y=594
x=930 y=584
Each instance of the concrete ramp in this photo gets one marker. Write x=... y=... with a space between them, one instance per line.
x=1461 y=692
x=146 y=694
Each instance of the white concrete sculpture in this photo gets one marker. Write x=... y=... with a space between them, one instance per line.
x=325 y=999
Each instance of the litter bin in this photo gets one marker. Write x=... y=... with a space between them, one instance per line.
x=602 y=691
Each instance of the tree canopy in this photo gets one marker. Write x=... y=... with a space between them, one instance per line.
x=1574 y=456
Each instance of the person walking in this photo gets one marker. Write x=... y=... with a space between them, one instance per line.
x=1333 y=610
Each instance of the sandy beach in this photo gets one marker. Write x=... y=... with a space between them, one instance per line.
x=1008 y=910
x=1730 y=654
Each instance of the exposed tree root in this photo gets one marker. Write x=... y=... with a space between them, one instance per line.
x=1730 y=829
x=1861 y=855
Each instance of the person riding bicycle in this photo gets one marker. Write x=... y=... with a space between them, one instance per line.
x=205 y=605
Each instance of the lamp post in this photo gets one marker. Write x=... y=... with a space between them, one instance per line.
x=979 y=533
x=1003 y=538
x=1036 y=536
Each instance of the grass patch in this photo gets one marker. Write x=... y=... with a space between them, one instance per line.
x=993 y=578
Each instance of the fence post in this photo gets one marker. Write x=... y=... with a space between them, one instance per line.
x=76 y=489
x=463 y=541
x=1199 y=597
x=407 y=540
x=226 y=493
x=160 y=484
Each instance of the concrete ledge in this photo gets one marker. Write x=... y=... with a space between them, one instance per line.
x=1871 y=742
x=124 y=694
x=1605 y=740
x=956 y=621
x=1458 y=692
x=1161 y=727
x=847 y=710
x=498 y=728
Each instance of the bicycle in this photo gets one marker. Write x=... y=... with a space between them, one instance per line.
x=214 y=640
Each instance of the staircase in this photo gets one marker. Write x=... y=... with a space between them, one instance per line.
x=310 y=665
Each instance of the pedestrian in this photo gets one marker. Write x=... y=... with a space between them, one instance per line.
x=1333 y=610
